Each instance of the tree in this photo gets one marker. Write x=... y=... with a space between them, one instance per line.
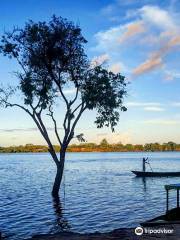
x=104 y=143
x=129 y=147
x=52 y=58
x=171 y=146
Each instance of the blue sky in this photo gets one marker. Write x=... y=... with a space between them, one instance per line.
x=141 y=39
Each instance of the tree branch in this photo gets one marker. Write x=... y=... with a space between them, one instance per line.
x=71 y=134
x=37 y=119
x=46 y=136
x=56 y=81
x=73 y=101
x=55 y=125
x=77 y=108
x=7 y=104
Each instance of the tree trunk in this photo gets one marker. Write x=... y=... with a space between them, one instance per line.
x=59 y=175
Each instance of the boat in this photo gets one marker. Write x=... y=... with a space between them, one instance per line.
x=156 y=174
x=172 y=217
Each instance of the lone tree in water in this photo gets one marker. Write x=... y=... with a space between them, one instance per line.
x=52 y=59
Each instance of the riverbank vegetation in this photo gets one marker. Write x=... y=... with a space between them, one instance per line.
x=104 y=146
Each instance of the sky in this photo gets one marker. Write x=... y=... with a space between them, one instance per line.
x=138 y=38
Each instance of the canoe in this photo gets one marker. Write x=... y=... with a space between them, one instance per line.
x=156 y=174
x=171 y=217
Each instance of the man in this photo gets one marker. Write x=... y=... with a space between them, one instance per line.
x=144 y=163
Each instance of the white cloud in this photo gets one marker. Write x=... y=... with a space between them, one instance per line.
x=154 y=109
x=143 y=104
x=108 y=39
x=117 y=67
x=162 y=122
x=69 y=91
x=147 y=106
x=157 y=16
x=148 y=17
x=168 y=39
x=154 y=30
x=114 y=36
x=98 y=60
x=132 y=30
x=153 y=106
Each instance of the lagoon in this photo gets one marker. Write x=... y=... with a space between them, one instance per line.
x=99 y=192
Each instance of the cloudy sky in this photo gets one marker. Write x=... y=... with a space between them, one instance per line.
x=139 y=38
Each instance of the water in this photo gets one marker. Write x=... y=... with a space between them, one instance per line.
x=99 y=192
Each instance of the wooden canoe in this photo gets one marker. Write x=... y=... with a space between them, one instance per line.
x=156 y=174
x=171 y=217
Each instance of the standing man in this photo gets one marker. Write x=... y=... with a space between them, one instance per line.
x=144 y=164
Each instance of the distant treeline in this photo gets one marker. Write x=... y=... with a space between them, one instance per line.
x=104 y=146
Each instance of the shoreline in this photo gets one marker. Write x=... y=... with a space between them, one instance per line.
x=122 y=233
x=95 y=152
x=116 y=234
x=104 y=146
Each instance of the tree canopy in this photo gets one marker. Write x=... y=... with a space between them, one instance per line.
x=51 y=56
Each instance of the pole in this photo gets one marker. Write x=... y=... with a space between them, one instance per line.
x=177 y=198
x=167 y=200
x=150 y=166
x=144 y=165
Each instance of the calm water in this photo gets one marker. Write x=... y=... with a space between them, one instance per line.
x=99 y=192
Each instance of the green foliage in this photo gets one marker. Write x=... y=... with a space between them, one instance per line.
x=104 y=146
x=49 y=53
x=104 y=143
x=52 y=56
x=104 y=91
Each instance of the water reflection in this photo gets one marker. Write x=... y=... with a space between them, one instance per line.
x=142 y=183
x=145 y=183
x=61 y=223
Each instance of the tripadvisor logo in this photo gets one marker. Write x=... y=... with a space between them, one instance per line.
x=139 y=231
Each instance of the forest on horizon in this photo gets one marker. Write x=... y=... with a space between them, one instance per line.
x=104 y=146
